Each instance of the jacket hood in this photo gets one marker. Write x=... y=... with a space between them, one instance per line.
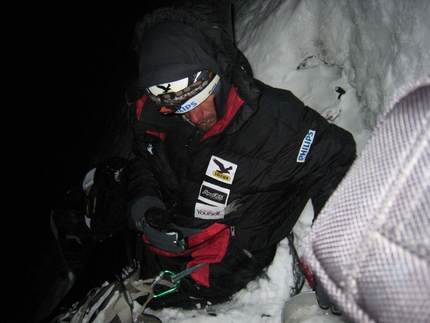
x=172 y=50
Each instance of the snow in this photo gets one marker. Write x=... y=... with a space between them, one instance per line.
x=368 y=48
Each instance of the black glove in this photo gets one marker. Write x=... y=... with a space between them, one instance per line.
x=142 y=207
x=157 y=218
x=159 y=230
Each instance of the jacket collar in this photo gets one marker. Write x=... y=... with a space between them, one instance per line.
x=233 y=119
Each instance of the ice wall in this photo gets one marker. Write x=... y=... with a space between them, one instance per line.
x=377 y=45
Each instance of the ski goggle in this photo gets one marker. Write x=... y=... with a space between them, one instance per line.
x=185 y=94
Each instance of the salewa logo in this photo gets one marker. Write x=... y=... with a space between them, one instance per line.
x=221 y=170
x=306 y=146
x=165 y=89
x=221 y=176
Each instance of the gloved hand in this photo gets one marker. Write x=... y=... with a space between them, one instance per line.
x=160 y=231
x=139 y=209
x=157 y=218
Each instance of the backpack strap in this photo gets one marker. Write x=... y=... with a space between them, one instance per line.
x=134 y=290
x=115 y=302
x=138 y=289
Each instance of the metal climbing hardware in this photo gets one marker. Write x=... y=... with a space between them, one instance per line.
x=175 y=279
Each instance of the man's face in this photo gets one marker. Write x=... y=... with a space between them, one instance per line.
x=204 y=115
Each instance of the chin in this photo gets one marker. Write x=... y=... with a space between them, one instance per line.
x=204 y=128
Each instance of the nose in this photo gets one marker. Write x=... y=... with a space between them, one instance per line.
x=195 y=115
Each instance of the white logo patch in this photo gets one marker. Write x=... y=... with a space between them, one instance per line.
x=213 y=194
x=306 y=146
x=221 y=170
x=209 y=212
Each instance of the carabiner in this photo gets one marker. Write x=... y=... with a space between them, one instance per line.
x=175 y=278
x=160 y=277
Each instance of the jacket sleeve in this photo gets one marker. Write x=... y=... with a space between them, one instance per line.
x=143 y=189
x=339 y=149
x=325 y=160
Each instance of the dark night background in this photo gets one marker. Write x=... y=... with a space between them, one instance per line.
x=82 y=61
x=73 y=64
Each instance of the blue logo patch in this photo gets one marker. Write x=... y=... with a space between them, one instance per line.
x=187 y=107
x=306 y=146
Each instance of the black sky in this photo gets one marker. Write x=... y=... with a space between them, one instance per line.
x=76 y=63
x=71 y=66
x=79 y=62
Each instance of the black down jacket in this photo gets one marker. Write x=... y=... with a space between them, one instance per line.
x=238 y=189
